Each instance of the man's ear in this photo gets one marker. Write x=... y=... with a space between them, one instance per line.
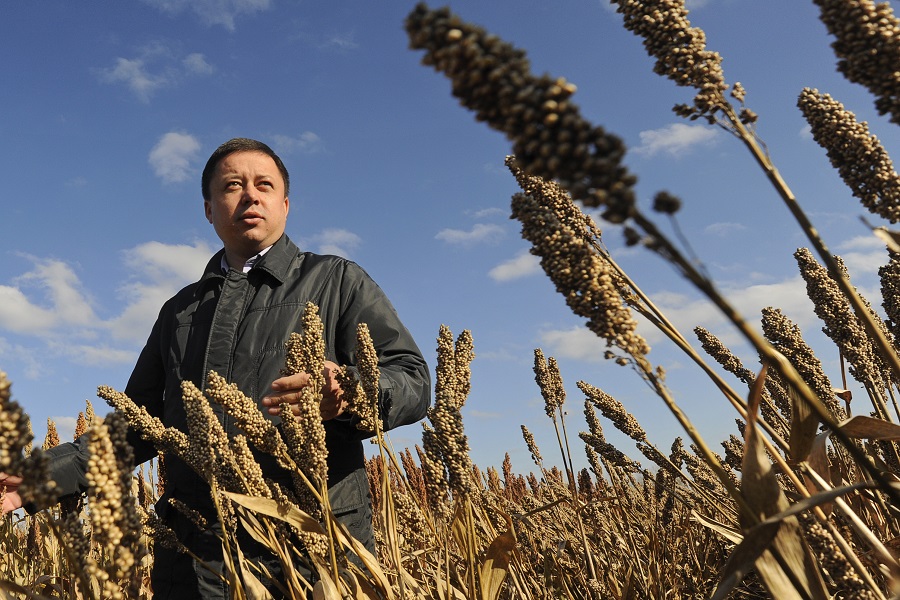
x=207 y=209
x=287 y=206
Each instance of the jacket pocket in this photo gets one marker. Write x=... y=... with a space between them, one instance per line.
x=351 y=502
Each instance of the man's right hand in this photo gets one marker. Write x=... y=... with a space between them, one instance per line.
x=9 y=486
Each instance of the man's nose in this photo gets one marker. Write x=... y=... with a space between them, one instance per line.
x=251 y=194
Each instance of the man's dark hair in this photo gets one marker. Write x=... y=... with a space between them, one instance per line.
x=240 y=145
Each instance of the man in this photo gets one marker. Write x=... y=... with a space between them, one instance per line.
x=235 y=321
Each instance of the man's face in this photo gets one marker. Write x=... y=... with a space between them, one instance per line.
x=247 y=205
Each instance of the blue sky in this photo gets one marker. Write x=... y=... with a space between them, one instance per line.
x=110 y=111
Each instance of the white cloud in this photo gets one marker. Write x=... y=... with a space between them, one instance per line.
x=196 y=63
x=213 y=12
x=687 y=312
x=19 y=314
x=479 y=233
x=523 y=265
x=723 y=229
x=341 y=41
x=65 y=302
x=806 y=133
x=578 y=343
x=62 y=317
x=94 y=356
x=163 y=261
x=31 y=362
x=172 y=156
x=163 y=270
x=485 y=213
x=307 y=143
x=133 y=73
x=65 y=428
x=674 y=139
x=863 y=254
x=155 y=67
x=339 y=242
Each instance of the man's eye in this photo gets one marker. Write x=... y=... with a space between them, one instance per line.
x=233 y=184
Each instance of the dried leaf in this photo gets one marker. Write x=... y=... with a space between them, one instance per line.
x=253 y=587
x=729 y=533
x=804 y=425
x=744 y=559
x=496 y=563
x=375 y=575
x=272 y=508
x=845 y=395
x=775 y=548
x=890 y=238
x=9 y=586
x=442 y=589
x=870 y=428
x=818 y=462
x=325 y=588
x=818 y=456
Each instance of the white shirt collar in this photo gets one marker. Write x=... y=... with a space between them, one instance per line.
x=247 y=265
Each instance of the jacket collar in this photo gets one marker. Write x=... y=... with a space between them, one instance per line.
x=275 y=262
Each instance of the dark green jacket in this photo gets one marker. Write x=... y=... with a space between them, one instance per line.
x=236 y=324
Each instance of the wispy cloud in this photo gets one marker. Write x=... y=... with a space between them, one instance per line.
x=307 y=143
x=161 y=270
x=333 y=42
x=134 y=74
x=50 y=306
x=479 y=233
x=523 y=265
x=213 y=12
x=173 y=155
x=339 y=242
x=687 y=312
x=77 y=182
x=486 y=213
x=576 y=343
x=863 y=254
x=196 y=63
x=806 y=133
x=156 y=66
x=65 y=427
x=723 y=229
x=341 y=41
x=65 y=302
x=674 y=139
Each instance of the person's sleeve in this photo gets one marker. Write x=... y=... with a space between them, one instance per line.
x=68 y=462
x=68 y=468
x=405 y=382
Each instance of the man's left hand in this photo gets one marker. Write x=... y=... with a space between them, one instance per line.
x=289 y=390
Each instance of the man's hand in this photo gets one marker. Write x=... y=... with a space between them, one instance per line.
x=288 y=389
x=9 y=486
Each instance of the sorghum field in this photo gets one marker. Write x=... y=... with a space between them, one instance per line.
x=801 y=502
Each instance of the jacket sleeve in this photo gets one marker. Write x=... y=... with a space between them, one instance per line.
x=405 y=383
x=68 y=469
x=68 y=461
